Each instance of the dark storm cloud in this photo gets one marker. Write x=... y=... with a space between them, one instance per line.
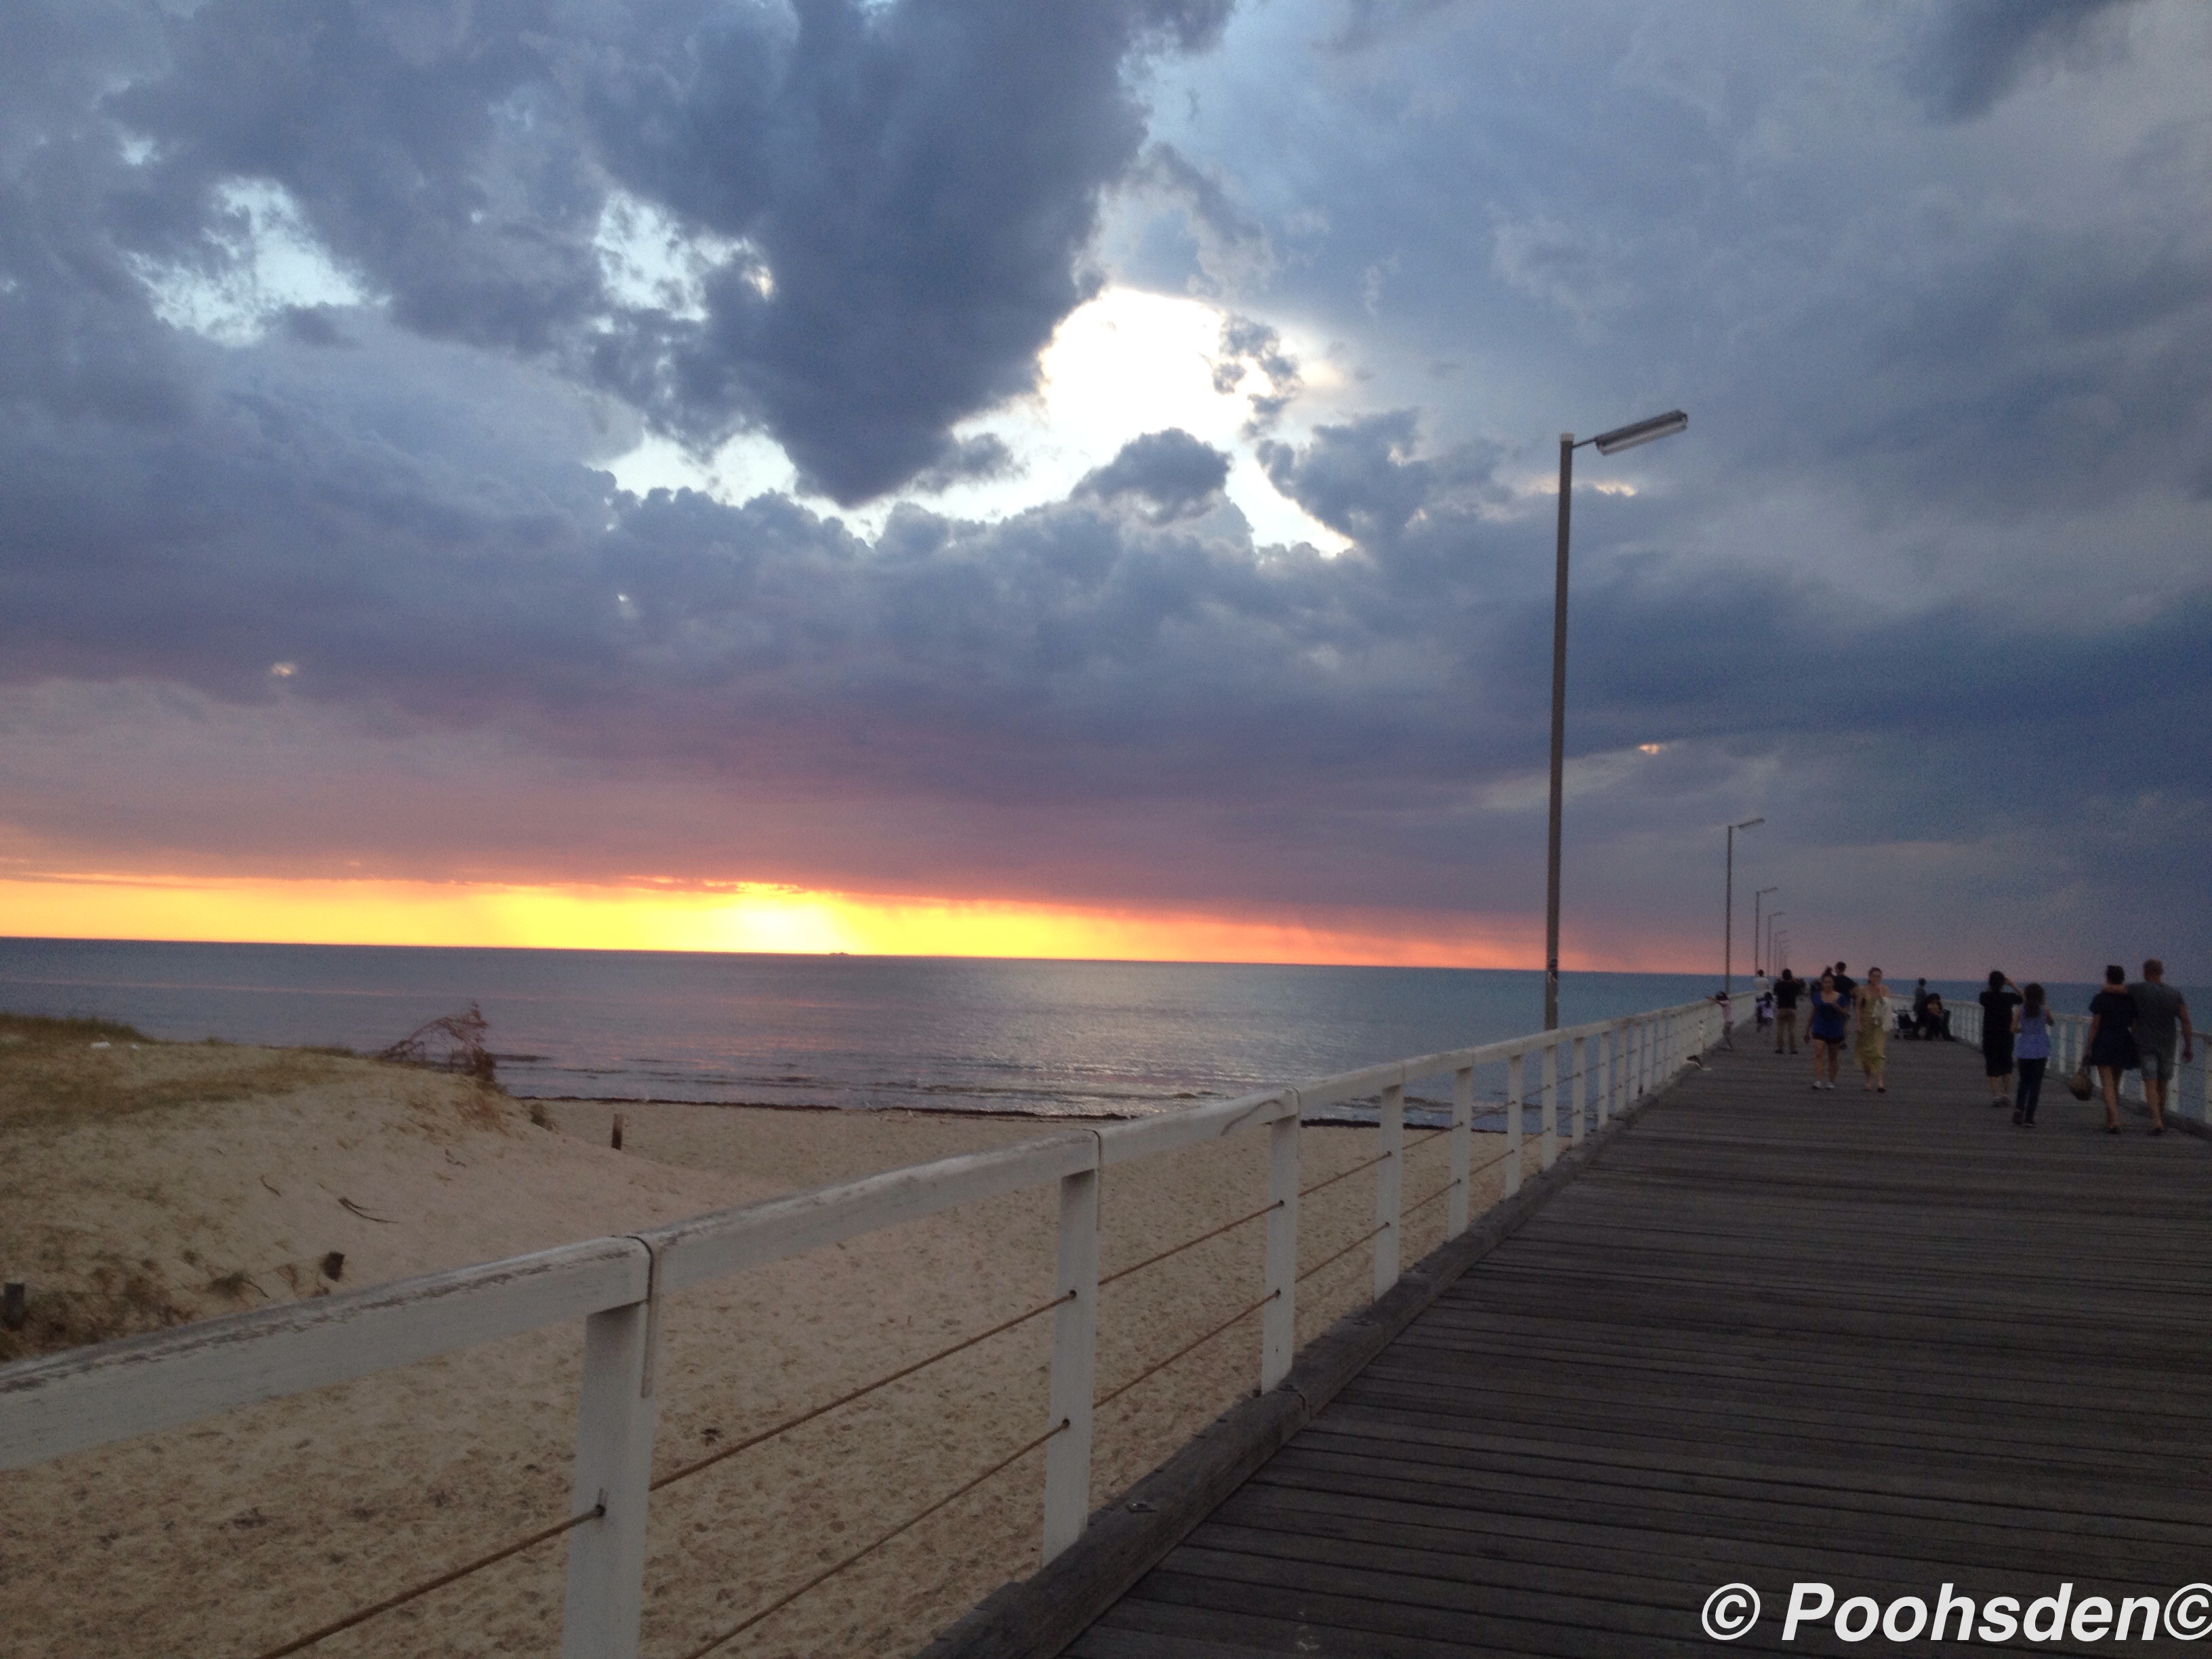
x=421 y=139
x=1365 y=479
x=968 y=460
x=920 y=180
x=1171 y=469
x=902 y=195
x=1979 y=50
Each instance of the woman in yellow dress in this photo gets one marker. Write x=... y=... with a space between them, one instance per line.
x=1872 y=1003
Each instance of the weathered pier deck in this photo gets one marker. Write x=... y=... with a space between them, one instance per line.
x=1885 y=1342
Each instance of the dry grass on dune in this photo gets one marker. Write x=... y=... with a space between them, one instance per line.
x=69 y=1071
x=147 y=1183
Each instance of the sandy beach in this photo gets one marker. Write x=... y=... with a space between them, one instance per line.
x=184 y=1181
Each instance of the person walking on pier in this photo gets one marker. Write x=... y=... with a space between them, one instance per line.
x=1872 y=1000
x=2030 y=1052
x=2112 y=1042
x=1825 y=1025
x=1787 y=990
x=2158 y=1007
x=1997 y=1005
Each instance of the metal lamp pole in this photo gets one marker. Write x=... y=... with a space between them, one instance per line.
x=1757 y=936
x=1773 y=954
x=1607 y=443
x=1727 y=927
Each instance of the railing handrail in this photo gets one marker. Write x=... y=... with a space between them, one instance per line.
x=91 y=1396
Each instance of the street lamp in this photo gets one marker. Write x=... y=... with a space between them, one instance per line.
x=1607 y=443
x=1773 y=938
x=1727 y=927
x=1757 y=936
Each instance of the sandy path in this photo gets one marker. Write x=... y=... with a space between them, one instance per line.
x=230 y=1537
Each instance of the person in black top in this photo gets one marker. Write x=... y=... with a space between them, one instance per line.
x=1787 y=990
x=2112 y=1042
x=1845 y=985
x=1997 y=1003
x=1920 y=1008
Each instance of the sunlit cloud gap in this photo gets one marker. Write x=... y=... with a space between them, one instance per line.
x=1123 y=364
x=745 y=918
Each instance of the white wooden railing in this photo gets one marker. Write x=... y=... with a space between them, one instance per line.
x=73 y=1402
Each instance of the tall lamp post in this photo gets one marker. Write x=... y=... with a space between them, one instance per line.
x=1607 y=443
x=1727 y=927
x=1775 y=941
x=1757 y=936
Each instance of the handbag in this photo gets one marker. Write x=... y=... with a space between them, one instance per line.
x=2079 y=1085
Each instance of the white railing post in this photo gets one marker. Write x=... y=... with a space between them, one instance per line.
x=1462 y=1151
x=616 y=1406
x=1075 y=1364
x=1389 y=1186
x=1278 y=1319
x=1642 y=1046
x=1575 y=1097
x=1605 y=1076
x=1513 y=1083
x=1549 y=1148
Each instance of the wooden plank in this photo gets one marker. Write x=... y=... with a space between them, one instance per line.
x=87 y=1397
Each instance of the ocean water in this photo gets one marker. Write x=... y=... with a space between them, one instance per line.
x=1049 y=1039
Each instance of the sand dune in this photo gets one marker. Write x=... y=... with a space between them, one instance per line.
x=232 y=1535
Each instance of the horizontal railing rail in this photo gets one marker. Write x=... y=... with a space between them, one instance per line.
x=90 y=1397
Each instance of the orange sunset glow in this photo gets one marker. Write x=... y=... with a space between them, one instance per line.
x=745 y=916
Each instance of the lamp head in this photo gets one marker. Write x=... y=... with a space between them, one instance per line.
x=1643 y=432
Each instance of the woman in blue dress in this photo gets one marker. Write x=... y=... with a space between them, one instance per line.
x=1825 y=1027
x=2112 y=1042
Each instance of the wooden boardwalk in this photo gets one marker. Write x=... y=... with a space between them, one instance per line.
x=1882 y=1342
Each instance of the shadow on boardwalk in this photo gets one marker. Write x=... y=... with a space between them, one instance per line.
x=1883 y=1342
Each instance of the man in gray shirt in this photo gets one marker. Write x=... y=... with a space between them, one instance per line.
x=2159 y=1008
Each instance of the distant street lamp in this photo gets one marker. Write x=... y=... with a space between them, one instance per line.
x=1774 y=940
x=1727 y=927
x=1757 y=936
x=1609 y=443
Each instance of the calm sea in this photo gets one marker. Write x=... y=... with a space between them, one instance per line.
x=1040 y=1038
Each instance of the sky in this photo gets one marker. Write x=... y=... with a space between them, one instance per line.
x=1081 y=480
